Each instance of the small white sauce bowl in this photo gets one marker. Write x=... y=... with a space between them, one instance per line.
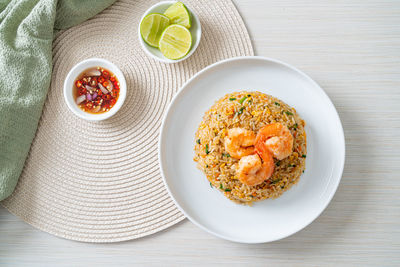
x=69 y=87
x=195 y=30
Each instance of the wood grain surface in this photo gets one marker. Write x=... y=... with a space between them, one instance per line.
x=352 y=49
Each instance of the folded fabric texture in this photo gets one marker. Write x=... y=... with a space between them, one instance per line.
x=26 y=35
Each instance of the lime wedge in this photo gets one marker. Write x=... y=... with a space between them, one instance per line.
x=179 y=14
x=175 y=41
x=152 y=27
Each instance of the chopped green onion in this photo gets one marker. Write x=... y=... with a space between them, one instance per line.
x=276 y=103
x=248 y=95
x=207 y=151
x=211 y=185
x=294 y=126
x=226 y=155
x=198 y=141
x=206 y=165
x=232 y=98
x=276 y=181
x=228 y=190
x=288 y=113
x=240 y=111
x=303 y=171
x=292 y=165
x=303 y=156
x=242 y=99
x=277 y=163
x=220 y=186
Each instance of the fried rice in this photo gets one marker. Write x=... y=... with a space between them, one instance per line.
x=252 y=111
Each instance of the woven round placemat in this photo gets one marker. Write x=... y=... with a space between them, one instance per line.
x=100 y=181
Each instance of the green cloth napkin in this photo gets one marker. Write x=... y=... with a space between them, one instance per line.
x=26 y=35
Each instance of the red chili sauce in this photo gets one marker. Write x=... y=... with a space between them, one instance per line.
x=96 y=90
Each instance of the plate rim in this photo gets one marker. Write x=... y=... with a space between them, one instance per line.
x=180 y=92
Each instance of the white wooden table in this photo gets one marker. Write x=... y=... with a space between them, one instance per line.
x=352 y=49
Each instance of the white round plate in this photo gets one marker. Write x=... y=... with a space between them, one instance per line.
x=271 y=219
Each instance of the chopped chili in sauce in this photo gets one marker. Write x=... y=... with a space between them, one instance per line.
x=96 y=90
